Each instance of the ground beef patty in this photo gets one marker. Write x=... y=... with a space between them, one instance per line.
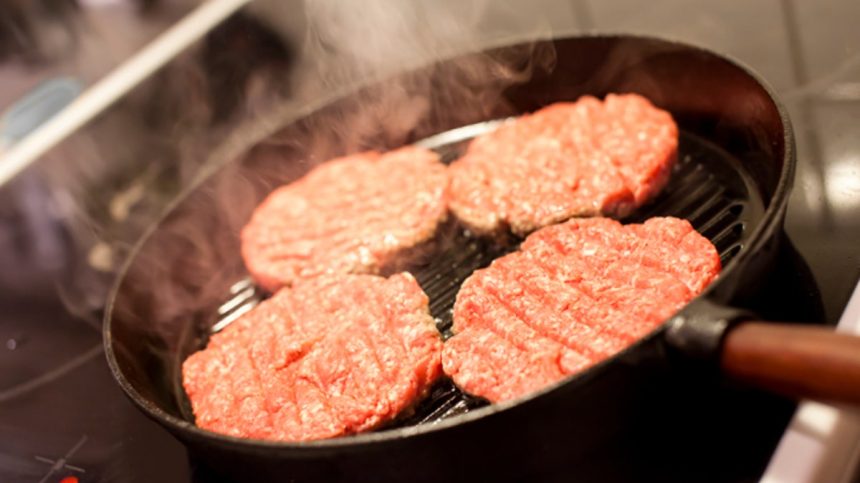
x=335 y=355
x=574 y=294
x=568 y=159
x=350 y=215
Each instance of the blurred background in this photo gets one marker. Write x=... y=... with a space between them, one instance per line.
x=70 y=218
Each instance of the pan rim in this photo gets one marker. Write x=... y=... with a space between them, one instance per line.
x=771 y=219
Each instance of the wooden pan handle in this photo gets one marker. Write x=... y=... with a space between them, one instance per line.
x=799 y=361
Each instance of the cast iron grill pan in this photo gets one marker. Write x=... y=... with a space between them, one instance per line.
x=708 y=187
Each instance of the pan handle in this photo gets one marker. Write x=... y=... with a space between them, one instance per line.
x=795 y=360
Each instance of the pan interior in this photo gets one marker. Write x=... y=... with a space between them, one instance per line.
x=708 y=187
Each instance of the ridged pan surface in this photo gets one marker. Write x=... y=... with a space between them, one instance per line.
x=708 y=187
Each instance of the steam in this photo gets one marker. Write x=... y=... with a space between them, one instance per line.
x=348 y=45
x=229 y=162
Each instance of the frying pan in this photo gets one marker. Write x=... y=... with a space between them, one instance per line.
x=736 y=166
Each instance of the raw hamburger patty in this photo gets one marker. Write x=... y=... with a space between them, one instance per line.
x=573 y=295
x=350 y=215
x=568 y=159
x=335 y=355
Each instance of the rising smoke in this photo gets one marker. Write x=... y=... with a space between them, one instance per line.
x=329 y=49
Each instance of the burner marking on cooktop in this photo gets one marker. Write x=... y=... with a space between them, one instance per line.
x=57 y=465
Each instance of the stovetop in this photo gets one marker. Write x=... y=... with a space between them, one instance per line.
x=62 y=418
